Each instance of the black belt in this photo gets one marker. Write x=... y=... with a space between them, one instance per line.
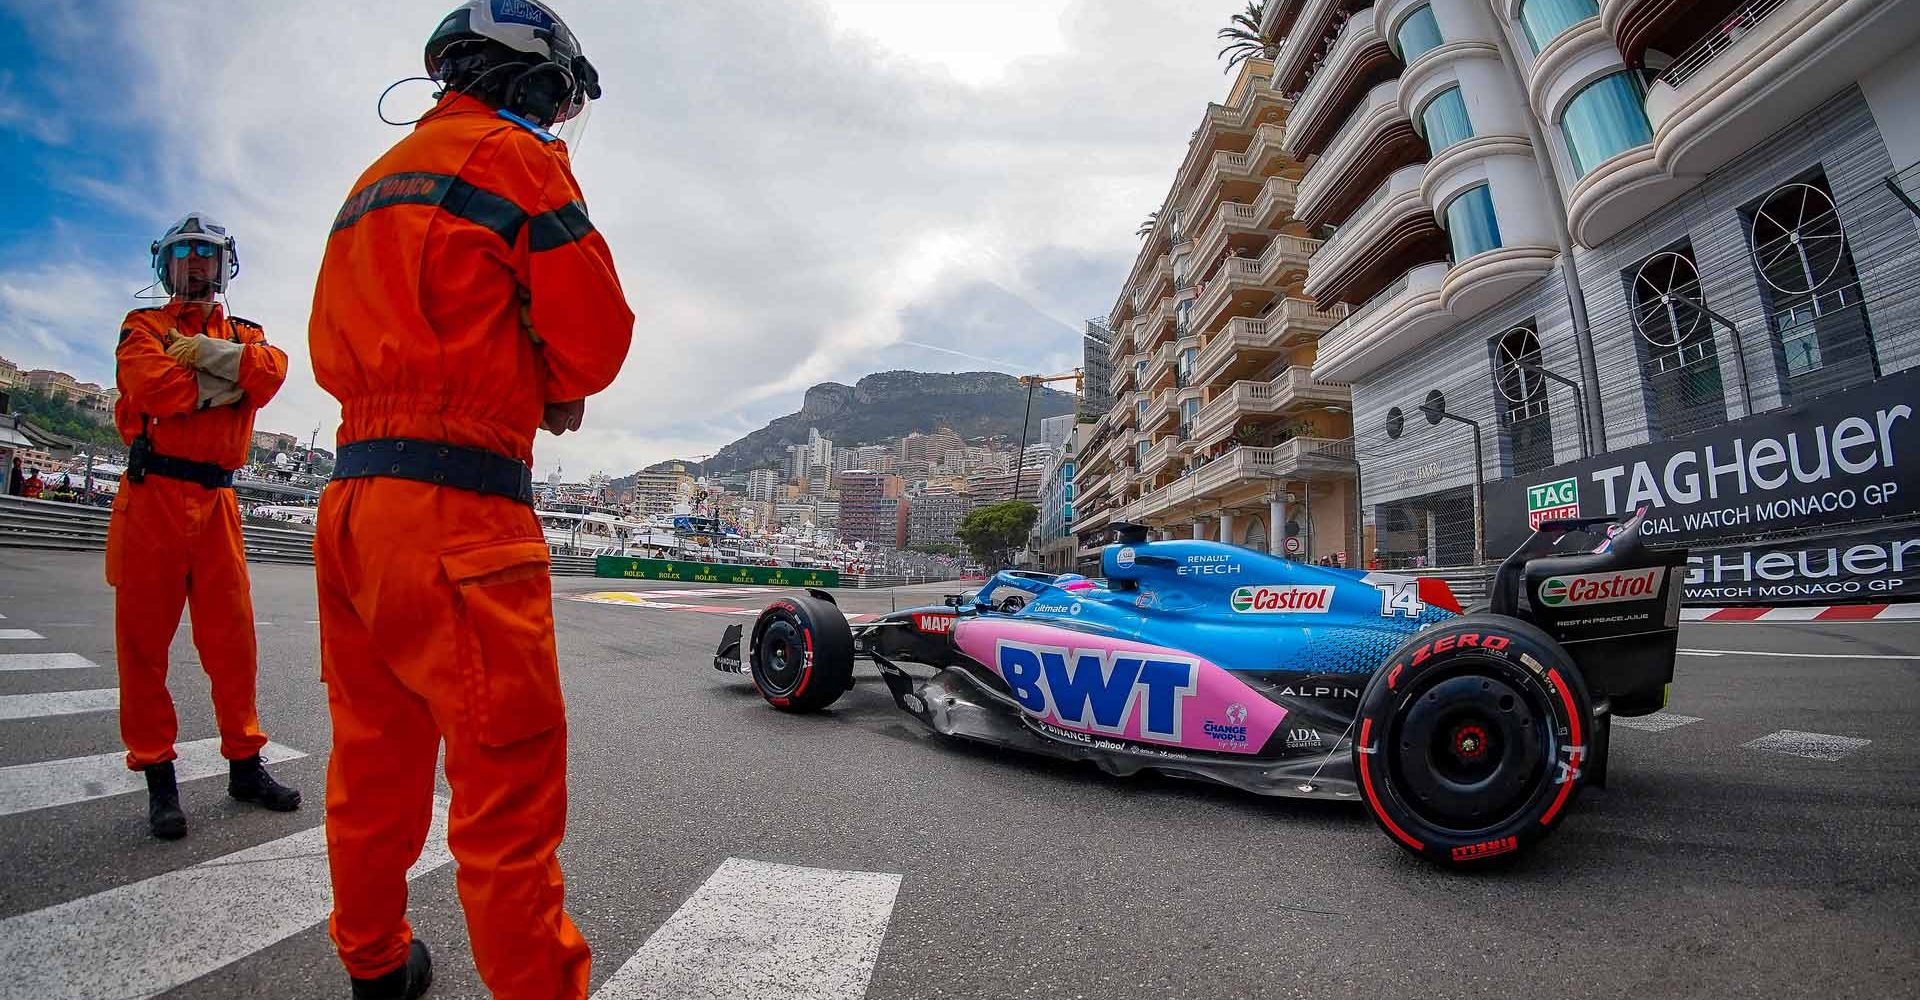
x=476 y=470
x=204 y=474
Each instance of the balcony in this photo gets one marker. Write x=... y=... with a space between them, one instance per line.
x=1161 y=410
x=1122 y=379
x=1231 y=130
x=1244 y=287
x=1252 y=342
x=1249 y=400
x=1376 y=140
x=1243 y=473
x=1390 y=231
x=1124 y=414
x=1360 y=60
x=1232 y=175
x=1159 y=280
x=1315 y=22
x=1767 y=63
x=1156 y=327
x=1278 y=17
x=1122 y=343
x=1159 y=373
x=1158 y=457
x=1244 y=225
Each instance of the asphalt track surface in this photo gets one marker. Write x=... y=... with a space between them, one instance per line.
x=1707 y=868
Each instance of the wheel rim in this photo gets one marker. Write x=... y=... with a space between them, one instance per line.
x=1471 y=748
x=782 y=653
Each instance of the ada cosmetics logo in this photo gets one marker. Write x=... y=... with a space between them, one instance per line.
x=1124 y=557
x=1553 y=501
x=1234 y=730
x=1294 y=599
x=1601 y=588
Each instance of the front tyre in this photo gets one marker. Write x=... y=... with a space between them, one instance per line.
x=1472 y=739
x=802 y=654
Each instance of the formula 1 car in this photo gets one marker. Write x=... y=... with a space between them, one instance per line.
x=1467 y=736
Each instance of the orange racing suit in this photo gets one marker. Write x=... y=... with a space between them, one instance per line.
x=463 y=290
x=172 y=542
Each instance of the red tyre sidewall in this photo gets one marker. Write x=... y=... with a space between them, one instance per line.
x=1515 y=651
x=791 y=612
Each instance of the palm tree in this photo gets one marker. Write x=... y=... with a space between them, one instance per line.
x=1244 y=37
x=1153 y=219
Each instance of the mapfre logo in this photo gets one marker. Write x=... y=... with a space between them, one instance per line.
x=1289 y=600
x=1601 y=588
x=933 y=624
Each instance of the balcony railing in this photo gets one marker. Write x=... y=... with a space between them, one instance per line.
x=1378 y=299
x=1359 y=32
x=1250 y=399
x=1302 y=40
x=1355 y=222
x=1720 y=39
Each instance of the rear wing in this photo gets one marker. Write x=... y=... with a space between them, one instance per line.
x=1615 y=607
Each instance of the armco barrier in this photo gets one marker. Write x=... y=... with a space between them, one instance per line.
x=630 y=568
x=46 y=524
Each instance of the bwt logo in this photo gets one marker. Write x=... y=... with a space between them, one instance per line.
x=1099 y=689
x=1601 y=588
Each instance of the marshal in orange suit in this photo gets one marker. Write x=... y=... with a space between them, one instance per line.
x=191 y=378
x=465 y=300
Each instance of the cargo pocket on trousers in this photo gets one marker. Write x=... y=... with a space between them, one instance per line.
x=117 y=536
x=507 y=654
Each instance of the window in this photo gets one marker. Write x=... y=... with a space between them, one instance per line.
x=1417 y=33
x=1544 y=20
x=1445 y=120
x=1140 y=453
x=1810 y=288
x=1471 y=224
x=1604 y=119
x=1676 y=342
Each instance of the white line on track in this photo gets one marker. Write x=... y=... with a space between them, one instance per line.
x=33 y=706
x=757 y=929
x=149 y=937
x=1658 y=722
x=1814 y=746
x=44 y=661
x=1800 y=656
x=24 y=787
x=19 y=633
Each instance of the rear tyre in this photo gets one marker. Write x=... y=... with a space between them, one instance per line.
x=1472 y=739
x=802 y=654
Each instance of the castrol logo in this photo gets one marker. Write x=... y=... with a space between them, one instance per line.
x=1291 y=600
x=1601 y=588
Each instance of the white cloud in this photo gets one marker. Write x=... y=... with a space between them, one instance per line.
x=793 y=192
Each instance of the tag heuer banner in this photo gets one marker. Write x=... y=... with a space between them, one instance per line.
x=1876 y=564
x=1850 y=456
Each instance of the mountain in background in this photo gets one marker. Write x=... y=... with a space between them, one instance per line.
x=889 y=405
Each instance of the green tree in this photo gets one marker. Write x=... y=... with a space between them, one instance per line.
x=63 y=417
x=993 y=533
x=1153 y=219
x=936 y=548
x=1244 y=37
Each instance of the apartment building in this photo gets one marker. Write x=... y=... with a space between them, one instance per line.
x=1586 y=225
x=870 y=508
x=1218 y=428
x=934 y=518
x=663 y=493
x=762 y=485
x=1054 y=544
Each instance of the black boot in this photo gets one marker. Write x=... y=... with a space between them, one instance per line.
x=408 y=981
x=248 y=781
x=164 y=817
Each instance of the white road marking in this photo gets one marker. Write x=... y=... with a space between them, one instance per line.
x=1801 y=656
x=44 y=661
x=1658 y=722
x=33 y=706
x=757 y=929
x=1901 y=611
x=25 y=787
x=1816 y=746
x=19 y=633
x=149 y=937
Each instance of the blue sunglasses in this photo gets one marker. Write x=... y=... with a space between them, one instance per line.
x=180 y=250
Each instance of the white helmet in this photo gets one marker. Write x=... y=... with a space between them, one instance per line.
x=196 y=227
x=554 y=81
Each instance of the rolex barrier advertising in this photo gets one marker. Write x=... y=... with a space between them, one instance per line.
x=1830 y=487
x=629 y=568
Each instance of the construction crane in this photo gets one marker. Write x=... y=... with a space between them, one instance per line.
x=1032 y=382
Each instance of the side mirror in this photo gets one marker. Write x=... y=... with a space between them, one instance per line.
x=952 y=601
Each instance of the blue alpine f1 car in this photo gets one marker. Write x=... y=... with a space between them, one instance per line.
x=1467 y=736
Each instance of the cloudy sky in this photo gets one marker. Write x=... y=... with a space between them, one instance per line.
x=795 y=191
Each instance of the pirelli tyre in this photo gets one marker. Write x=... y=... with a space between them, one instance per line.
x=1471 y=739
x=802 y=658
